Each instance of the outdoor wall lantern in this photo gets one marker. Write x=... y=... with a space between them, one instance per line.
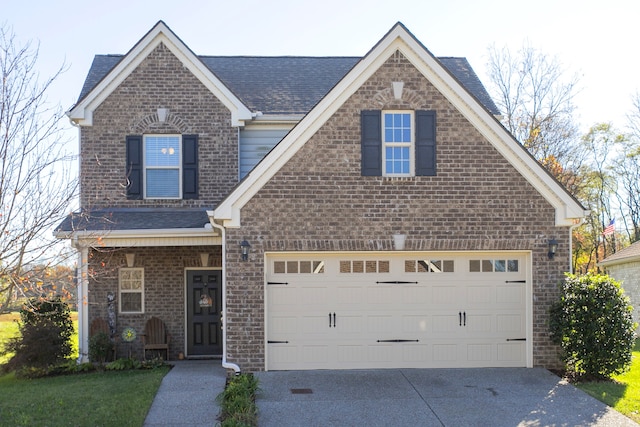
x=553 y=247
x=244 y=245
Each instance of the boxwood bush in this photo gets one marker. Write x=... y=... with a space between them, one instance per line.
x=592 y=322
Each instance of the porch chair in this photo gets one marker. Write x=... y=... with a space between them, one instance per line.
x=155 y=337
x=99 y=325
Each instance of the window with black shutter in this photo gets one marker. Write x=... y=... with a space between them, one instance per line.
x=162 y=167
x=398 y=143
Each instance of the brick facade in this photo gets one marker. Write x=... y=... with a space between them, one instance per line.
x=164 y=289
x=160 y=81
x=319 y=202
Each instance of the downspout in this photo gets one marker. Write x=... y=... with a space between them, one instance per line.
x=225 y=363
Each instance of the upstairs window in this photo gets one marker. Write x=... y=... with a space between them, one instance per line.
x=398 y=143
x=162 y=167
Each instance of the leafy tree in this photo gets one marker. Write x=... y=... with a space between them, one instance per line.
x=45 y=338
x=593 y=324
x=35 y=186
x=600 y=185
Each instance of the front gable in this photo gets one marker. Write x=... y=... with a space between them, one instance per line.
x=82 y=112
x=399 y=51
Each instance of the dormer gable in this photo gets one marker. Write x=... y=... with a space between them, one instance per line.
x=400 y=40
x=82 y=112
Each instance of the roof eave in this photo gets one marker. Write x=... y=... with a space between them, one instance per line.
x=82 y=113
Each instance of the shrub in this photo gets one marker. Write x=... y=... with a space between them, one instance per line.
x=237 y=402
x=123 y=365
x=593 y=324
x=45 y=338
x=100 y=346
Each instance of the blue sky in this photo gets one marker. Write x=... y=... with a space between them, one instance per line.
x=595 y=39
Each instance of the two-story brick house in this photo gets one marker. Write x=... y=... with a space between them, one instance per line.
x=331 y=213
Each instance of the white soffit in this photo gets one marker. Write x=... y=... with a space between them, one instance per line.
x=82 y=113
x=566 y=207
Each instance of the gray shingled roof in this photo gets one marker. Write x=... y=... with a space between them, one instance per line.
x=628 y=254
x=134 y=219
x=288 y=84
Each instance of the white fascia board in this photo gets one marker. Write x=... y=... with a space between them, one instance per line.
x=141 y=233
x=626 y=260
x=82 y=113
x=567 y=209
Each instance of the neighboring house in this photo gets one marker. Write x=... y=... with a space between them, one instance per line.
x=331 y=213
x=624 y=266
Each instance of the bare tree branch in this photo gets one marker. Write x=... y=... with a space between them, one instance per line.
x=36 y=188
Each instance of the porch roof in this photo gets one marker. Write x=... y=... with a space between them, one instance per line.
x=119 y=219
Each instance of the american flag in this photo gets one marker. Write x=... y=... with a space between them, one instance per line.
x=609 y=229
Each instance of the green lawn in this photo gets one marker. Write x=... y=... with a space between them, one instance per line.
x=622 y=394
x=111 y=398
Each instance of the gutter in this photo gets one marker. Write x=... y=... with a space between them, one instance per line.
x=225 y=363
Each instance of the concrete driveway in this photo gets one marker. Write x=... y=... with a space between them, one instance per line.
x=428 y=397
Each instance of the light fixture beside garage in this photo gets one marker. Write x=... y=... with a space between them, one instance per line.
x=244 y=246
x=553 y=248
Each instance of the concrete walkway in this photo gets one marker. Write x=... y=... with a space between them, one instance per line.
x=187 y=395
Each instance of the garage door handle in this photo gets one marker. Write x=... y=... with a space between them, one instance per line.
x=460 y=318
x=277 y=342
x=398 y=341
x=334 y=320
x=516 y=339
x=464 y=316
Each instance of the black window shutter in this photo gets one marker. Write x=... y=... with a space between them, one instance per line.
x=425 y=143
x=371 y=142
x=134 y=167
x=189 y=166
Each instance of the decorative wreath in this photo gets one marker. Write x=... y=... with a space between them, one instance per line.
x=128 y=334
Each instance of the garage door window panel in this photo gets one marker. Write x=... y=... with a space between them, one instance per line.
x=369 y=266
x=428 y=266
x=298 y=267
x=494 y=266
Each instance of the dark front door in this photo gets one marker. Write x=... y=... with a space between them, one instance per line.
x=204 y=303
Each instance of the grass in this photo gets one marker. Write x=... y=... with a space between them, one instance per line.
x=109 y=398
x=623 y=393
x=104 y=398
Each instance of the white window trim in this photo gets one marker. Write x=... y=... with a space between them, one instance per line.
x=121 y=291
x=145 y=168
x=411 y=145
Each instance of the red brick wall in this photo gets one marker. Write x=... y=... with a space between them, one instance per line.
x=319 y=202
x=160 y=80
x=164 y=288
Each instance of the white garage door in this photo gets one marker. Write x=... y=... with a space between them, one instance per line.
x=396 y=310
